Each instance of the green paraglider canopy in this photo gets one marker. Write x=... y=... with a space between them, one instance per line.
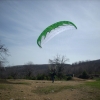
x=53 y=30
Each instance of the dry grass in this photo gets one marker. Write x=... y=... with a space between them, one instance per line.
x=46 y=90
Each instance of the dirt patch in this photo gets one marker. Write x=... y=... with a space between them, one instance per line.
x=23 y=90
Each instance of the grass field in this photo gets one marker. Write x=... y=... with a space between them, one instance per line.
x=46 y=90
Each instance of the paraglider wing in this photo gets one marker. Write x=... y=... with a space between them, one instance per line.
x=53 y=30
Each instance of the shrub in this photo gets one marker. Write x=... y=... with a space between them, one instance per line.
x=69 y=78
x=84 y=75
x=40 y=77
x=10 y=77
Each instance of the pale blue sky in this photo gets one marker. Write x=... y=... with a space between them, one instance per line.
x=22 y=21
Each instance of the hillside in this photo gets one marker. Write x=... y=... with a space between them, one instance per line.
x=20 y=71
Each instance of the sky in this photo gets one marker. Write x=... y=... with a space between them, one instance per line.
x=22 y=21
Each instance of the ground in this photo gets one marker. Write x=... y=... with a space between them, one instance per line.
x=46 y=90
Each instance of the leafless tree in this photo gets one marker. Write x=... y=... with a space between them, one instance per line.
x=58 y=64
x=3 y=52
x=29 y=69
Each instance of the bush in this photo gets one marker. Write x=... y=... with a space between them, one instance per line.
x=10 y=77
x=69 y=78
x=40 y=77
x=84 y=75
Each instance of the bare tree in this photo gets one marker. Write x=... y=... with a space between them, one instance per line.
x=3 y=52
x=58 y=64
x=29 y=69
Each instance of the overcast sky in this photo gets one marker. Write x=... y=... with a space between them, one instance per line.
x=22 y=21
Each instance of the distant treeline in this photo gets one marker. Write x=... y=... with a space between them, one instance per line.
x=36 y=71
